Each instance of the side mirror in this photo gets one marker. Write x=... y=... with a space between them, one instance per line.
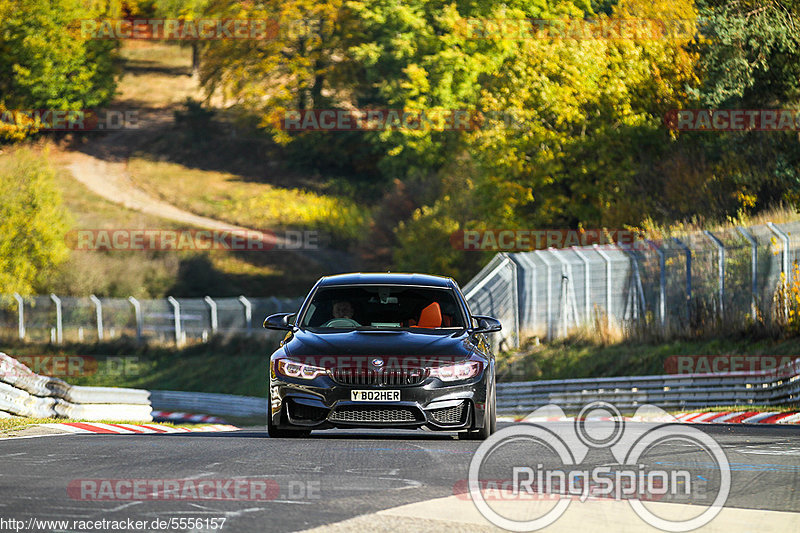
x=487 y=324
x=284 y=321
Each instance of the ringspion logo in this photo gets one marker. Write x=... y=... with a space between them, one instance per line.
x=538 y=461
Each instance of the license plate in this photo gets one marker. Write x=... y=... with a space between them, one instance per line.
x=375 y=395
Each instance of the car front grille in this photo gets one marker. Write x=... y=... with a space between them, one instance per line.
x=385 y=377
x=448 y=416
x=364 y=414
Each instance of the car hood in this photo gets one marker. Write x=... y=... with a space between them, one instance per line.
x=342 y=349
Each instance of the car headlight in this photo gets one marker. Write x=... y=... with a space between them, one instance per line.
x=293 y=369
x=458 y=371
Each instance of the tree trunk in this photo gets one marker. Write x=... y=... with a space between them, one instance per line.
x=195 y=59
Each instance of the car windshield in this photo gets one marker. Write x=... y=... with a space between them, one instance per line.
x=383 y=307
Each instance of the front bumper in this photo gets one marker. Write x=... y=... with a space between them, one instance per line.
x=322 y=403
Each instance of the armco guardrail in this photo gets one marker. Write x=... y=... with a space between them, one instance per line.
x=25 y=393
x=774 y=387
x=209 y=403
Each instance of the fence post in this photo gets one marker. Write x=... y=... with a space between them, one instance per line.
x=20 y=314
x=137 y=313
x=549 y=295
x=607 y=259
x=99 y=311
x=784 y=264
x=532 y=303
x=59 y=323
x=640 y=306
x=753 y=272
x=688 y=277
x=176 y=311
x=248 y=313
x=515 y=301
x=720 y=271
x=662 y=284
x=567 y=292
x=587 y=294
x=212 y=305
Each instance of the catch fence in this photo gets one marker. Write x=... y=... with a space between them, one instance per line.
x=688 y=283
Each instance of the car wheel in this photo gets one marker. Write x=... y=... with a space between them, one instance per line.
x=489 y=422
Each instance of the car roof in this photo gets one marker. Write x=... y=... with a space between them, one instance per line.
x=389 y=278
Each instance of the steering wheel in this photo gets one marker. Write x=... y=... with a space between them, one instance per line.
x=340 y=323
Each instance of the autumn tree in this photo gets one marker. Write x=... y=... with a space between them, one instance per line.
x=32 y=223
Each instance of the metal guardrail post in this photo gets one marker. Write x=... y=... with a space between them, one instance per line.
x=212 y=305
x=98 y=305
x=176 y=311
x=59 y=323
x=607 y=259
x=784 y=264
x=20 y=314
x=662 y=284
x=688 y=277
x=137 y=313
x=587 y=293
x=248 y=313
x=753 y=272
x=720 y=271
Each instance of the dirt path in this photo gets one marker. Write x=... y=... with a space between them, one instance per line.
x=110 y=179
x=102 y=168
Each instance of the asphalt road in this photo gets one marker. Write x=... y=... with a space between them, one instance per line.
x=335 y=476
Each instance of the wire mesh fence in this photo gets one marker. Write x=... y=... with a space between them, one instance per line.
x=676 y=285
x=494 y=292
x=89 y=319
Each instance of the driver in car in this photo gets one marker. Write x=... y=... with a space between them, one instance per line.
x=343 y=309
x=342 y=312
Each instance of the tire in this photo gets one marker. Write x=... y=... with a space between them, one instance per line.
x=489 y=421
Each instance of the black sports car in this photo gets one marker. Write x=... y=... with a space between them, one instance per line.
x=383 y=351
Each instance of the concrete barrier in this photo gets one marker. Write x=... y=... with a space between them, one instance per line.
x=24 y=393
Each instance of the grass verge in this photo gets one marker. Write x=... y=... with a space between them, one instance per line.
x=229 y=197
x=582 y=358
